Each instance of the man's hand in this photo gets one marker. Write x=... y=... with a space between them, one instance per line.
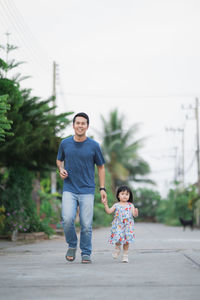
x=63 y=173
x=103 y=196
x=104 y=201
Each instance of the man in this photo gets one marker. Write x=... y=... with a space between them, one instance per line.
x=80 y=154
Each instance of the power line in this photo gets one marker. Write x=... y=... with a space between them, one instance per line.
x=61 y=92
x=191 y=164
x=163 y=170
x=133 y=96
x=27 y=29
x=21 y=35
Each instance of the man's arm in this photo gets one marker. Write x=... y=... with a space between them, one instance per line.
x=101 y=173
x=62 y=171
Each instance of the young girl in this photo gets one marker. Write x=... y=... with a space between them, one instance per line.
x=122 y=231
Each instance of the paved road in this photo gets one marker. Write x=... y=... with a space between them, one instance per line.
x=164 y=264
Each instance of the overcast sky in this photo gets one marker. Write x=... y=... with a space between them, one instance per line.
x=142 y=57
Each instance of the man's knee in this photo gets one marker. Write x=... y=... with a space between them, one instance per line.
x=86 y=227
x=68 y=221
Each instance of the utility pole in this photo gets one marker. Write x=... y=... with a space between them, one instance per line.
x=197 y=152
x=197 y=211
x=182 y=131
x=196 y=110
x=53 y=173
x=175 y=160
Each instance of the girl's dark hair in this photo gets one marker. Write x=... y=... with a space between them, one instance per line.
x=122 y=189
x=81 y=114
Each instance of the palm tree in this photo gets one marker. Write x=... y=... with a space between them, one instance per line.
x=121 y=152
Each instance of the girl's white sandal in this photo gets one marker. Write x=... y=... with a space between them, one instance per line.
x=125 y=257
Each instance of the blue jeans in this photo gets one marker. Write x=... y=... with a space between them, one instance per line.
x=70 y=202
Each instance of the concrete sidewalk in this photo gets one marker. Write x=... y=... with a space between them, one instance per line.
x=164 y=264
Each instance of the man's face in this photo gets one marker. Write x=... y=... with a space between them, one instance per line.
x=80 y=126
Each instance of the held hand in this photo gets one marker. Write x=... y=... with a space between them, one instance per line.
x=104 y=201
x=103 y=196
x=63 y=173
x=135 y=212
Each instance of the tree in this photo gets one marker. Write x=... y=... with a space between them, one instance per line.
x=35 y=141
x=5 y=124
x=178 y=204
x=32 y=148
x=121 y=151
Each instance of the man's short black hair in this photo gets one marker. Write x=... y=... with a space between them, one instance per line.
x=81 y=114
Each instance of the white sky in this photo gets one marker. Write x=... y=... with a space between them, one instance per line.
x=142 y=57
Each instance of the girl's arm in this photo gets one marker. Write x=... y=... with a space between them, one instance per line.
x=109 y=210
x=135 y=211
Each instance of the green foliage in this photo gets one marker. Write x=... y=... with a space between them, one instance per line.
x=35 y=142
x=10 y=63
x=16 y=198
x=177 y=204
x=18 y=187
x=121 y=151
x=18 y=220
x=2 y=218
x=50 y=208
x=32 y=147
x=3 y=66
x=147 y=201
x=5 y=124
x=35 y=128
x=45 y=183
x=100 y=216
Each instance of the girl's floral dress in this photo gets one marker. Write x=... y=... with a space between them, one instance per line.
x=122 y=230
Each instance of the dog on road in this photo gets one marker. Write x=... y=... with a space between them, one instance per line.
x=186 y=223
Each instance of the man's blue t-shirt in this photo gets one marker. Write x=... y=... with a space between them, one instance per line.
x=79 y=159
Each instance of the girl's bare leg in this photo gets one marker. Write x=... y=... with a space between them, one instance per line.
x=125 y=252
x=117 y=250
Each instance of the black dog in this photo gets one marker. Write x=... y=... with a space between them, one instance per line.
x=186 y=223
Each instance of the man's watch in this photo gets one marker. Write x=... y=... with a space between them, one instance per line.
x=102 y=189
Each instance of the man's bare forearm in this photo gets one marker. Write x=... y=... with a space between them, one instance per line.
x=60 y=164
x=62 y=171
x=101 y=173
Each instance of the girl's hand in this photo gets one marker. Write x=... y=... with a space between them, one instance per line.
x=104 y=201
x=135 y=213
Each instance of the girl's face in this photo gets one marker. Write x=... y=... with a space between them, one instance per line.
x=124 y=196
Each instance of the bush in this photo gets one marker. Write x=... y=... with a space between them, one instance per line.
x=50 y=208
x=147 y=201
x=101 y=218
x=2 y=218
x=177 y=204
x=16 y=198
